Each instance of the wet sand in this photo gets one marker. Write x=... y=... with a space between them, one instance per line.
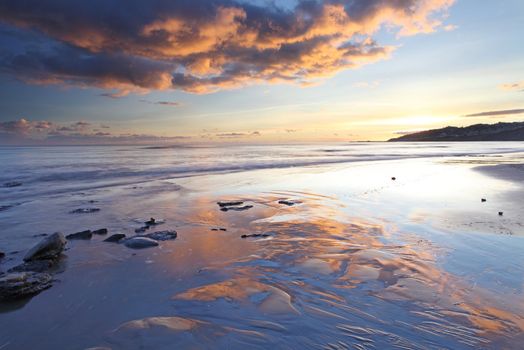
x=358 y=262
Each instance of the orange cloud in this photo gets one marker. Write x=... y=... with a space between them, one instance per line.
x=206 y=46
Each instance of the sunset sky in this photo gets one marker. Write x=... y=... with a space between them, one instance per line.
x=193 y=71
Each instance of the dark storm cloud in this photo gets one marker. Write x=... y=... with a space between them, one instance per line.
x=198 y=45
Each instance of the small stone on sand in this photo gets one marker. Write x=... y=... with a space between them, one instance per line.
x=140 y=243
x=115 y=238
x=87 y=234
x=102 y=231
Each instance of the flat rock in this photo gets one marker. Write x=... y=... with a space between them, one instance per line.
x=48 y=248
x=115 y=238
x=162 y=235
x=101 y=231
x=245 y=207
x=255 y=235
x=140 y=242
x=84 y=210
x=285 y=202
x=35 y=266
x=87 y=234
x=229 y=204
x=18 y=285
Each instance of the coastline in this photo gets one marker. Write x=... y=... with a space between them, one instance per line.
x=357 y=259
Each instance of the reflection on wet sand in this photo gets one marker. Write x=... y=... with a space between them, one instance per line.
x=320 y=281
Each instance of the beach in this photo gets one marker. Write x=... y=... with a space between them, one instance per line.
x=333 y=246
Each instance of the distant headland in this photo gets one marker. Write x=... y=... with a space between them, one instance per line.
x=478 y=132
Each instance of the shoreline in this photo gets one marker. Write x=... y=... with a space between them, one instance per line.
x=355 y=256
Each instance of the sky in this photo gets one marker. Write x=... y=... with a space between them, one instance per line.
x=255 y=71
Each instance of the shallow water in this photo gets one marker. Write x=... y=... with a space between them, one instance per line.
x=359 y=262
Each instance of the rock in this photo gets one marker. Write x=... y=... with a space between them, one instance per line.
x=87 y=234
x=229 y=204
x=219 y=229
x=35 y=266
x=289 y=203
x=501 y=213
x=48 y=248
x=102 y=231
x=115 y=238
x=150 y=222
x=393 y=178
x=18 y=285
x=140 y=242
x=483 y=200
x=222 y=229
x=162 y=235
x=214 y=229
x=12 y=184
x=84 y=210
x=245 y=207
x=2 y=254
x=256 y=235
x=142 y=229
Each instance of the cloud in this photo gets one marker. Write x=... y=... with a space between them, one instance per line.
x=236 y=134
x=516 y=86
x=20 y=127
x=496 y=113
x=201 y=46
x=162 y=103
x=24 y=127
x=25 y=132
x=407 y=132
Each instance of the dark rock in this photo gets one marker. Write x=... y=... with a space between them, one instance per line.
x=84 y=210
x=214 y=229
x=115 y=238
x=393 y=178
x=102 y=231
x=245 y=207
x=289 y=203
x=256 y=235
x=162 y=235
x=229 y=204
x=501 y=213
x=222 y=229
x=483 y=200
x=140 y=242
x=150 y=222
x=2 y=255
x=18 y=285
x=12 y=184
x=87 y=234
x=35 y=266
x=48 y=248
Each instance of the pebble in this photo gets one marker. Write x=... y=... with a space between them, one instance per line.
x=87 y=234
